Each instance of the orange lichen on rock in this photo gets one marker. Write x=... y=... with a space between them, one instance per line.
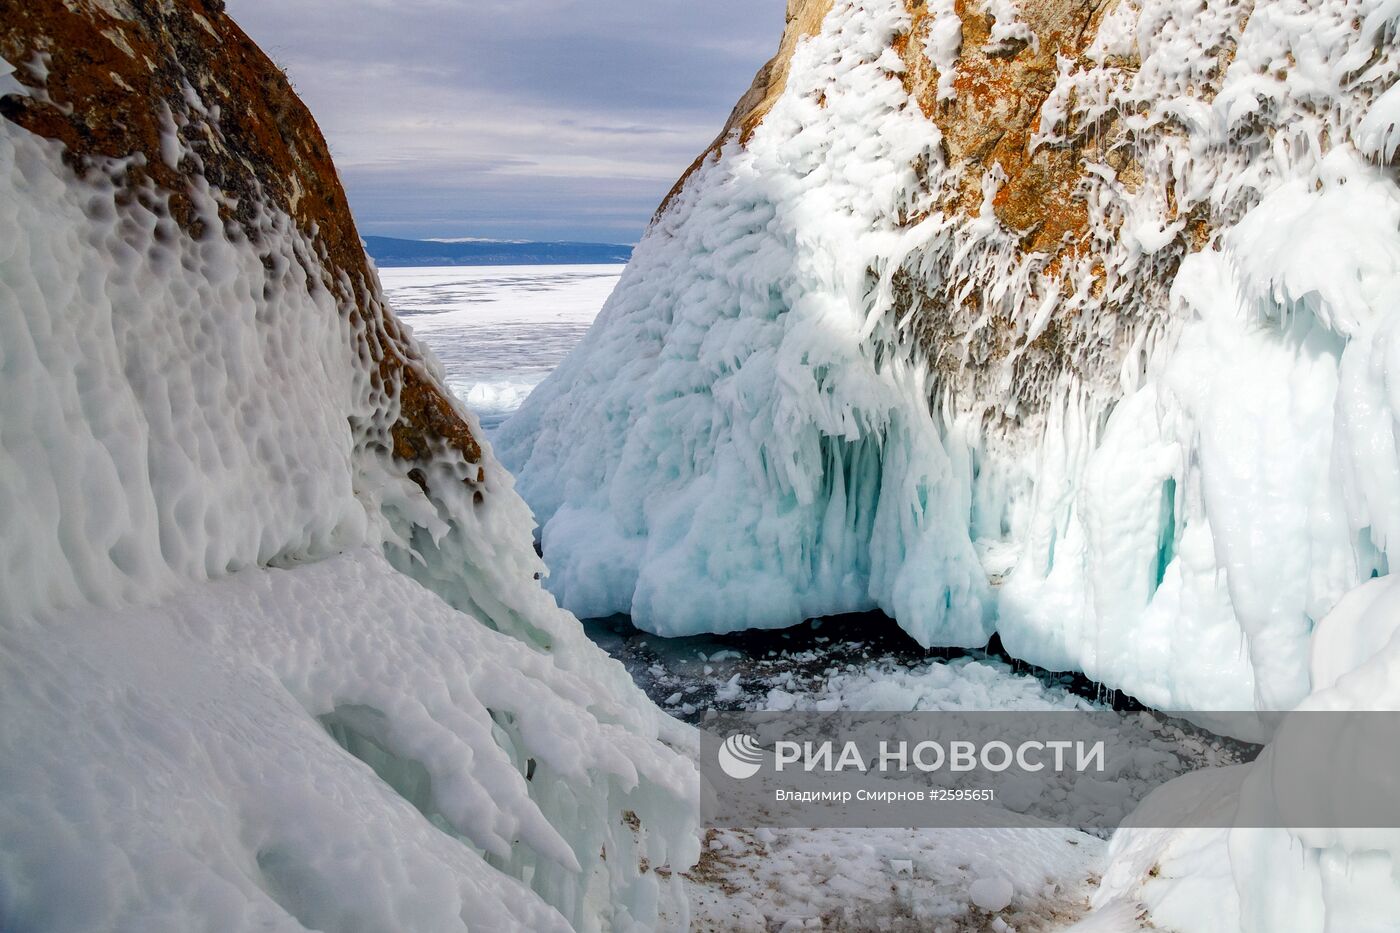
x=176 y=92
x=992 y=152
x=997 y=111
x=992 y=119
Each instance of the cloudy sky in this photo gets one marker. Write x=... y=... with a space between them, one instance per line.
x=530 y=119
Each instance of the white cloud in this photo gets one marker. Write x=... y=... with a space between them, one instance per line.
x=528 y=118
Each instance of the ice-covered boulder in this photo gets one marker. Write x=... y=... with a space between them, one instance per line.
x=273 y=653
x=1061 y=320
x=1300 y=879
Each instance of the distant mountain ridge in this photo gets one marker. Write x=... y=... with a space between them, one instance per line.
x=391 y=251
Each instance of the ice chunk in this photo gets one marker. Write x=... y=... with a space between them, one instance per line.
x=991 y=894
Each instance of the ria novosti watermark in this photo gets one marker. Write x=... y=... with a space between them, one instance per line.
x=958 y=755
x=1089 y=770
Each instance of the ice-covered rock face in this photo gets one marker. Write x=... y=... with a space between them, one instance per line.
x=1041 y=318
x=153 y=110
x=1097 y=304
x=272 y=650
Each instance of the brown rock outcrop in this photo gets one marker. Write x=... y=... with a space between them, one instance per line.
x=989 y=128
x=179 y=92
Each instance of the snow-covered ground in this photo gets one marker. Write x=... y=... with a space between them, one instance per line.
x=498 y=330
x=883 y=878
x=852 y=879
x=940 y=881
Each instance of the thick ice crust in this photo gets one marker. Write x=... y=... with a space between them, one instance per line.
x=1156 y=450
x=229 y=697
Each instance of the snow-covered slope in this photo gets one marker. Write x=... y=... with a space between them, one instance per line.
x=272 y=650
x=1062 y=320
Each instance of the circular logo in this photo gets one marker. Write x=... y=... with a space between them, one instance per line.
x=740 y=756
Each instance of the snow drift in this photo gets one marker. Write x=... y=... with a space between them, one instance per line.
x=272 y=650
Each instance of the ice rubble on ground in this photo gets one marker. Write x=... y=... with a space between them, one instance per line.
x=493 y=397
x=744 y=439
x=894 y=879
x=924 y=879
x=1163 y=749
x=224 y=707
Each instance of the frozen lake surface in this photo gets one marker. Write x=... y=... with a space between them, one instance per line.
x=498 y=330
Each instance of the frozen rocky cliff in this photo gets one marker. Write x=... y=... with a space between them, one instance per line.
x=1074 y=322
x=272 y=650
x=1065 y=321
